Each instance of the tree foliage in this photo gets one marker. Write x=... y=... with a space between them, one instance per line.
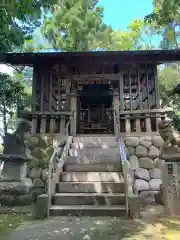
x=166 y=20
x=12 y=97
x=77 y=26
x=135 y=38
x=18 y=21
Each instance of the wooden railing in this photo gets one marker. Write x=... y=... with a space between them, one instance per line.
x=127 y=173
x=48 y=122
x=56 y=163
x=125 y=168
x=141 y=121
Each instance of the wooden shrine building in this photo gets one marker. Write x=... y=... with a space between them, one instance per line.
x=99 y=91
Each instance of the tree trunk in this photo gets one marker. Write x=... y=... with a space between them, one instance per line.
x=4 y=119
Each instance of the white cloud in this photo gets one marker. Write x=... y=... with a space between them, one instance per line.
x=6 y=69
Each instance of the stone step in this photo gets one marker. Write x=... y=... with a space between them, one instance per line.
x=90 y=187
x=92 y=177
x=96 y=210
x=94 y=155
x=95 y=167
x=88 y=199
x=94 y=142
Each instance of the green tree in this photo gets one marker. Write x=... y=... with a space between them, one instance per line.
x=135 y=38
x=168 y=77
x=77 y=25
x=166 y=20
x=19 y=20
x=12 y=97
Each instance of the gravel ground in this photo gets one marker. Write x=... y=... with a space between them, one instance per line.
x=153 y=225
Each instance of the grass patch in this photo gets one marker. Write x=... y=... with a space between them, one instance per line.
x=10 y=222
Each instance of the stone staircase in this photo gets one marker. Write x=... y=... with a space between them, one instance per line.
x=91 y=183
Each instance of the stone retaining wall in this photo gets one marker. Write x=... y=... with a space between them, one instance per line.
x=26 y=191
x=143 y=154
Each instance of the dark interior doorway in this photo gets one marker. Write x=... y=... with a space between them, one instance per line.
x=94 y=110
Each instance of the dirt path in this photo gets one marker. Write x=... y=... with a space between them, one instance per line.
x=153 y=225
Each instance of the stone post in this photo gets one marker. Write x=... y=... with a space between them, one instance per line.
x=116 y=111
x=74 y=109
x=171 y=187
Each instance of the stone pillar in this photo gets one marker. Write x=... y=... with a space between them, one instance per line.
x=116 y=111
x=171 y=187
x=74 y=109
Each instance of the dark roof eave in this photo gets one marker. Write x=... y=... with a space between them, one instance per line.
x=151 y=56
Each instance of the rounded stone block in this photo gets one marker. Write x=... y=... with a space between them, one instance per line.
x=38 y=183
x=32 y=142
x=23 y=200
x=141 y=151
x=141 y=185
x=16 y=188
x=155 y=173
x=134 y=163
x=36 y=192
x=6 y=200
x=153 y=152
x=142 y=173
x=144 y=194
x=35 y=173
x=44 y=174
x=155 y=184
x=146 y=163
x=145 y=142
x=159 y=198
x=39 y=153
x=157 y=141
x=132 y=141
x=158 y=163
x=131 y=150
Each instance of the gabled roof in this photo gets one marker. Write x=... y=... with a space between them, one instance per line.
x=145 y=56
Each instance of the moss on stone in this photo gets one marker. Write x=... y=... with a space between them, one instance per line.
x=40 y=151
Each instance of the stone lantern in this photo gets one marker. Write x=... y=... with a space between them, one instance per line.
x=15 y=156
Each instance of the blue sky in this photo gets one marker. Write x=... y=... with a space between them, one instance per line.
x=119 y=13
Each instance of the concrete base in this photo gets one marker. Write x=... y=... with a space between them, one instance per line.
x=98 y=167
x=40 y=208
x=90 y=187
x=114 y=211
x=89 y=199
x=134 y=206
x=92 y=177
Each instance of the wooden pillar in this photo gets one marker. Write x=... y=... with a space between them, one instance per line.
x=62 y=125
x=42 y=92
x=50 y=92
x=156 y=84
x=127 y=124
x=52 y=124
x=33 y=106
x=34 y=124
x=116 y=112
x=43 y=124
x=121 y=89
x=74 y=109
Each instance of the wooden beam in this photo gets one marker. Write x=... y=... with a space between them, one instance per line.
x=95 y=76
x=146 y=111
